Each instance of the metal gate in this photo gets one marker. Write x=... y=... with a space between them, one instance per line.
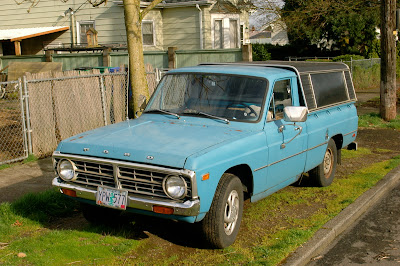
x=13 y=132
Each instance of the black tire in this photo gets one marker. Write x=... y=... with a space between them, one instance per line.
x=221 y=224
x=323 y=174
x=100 y=215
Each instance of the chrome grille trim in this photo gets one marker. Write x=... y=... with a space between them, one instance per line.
x=137 y=179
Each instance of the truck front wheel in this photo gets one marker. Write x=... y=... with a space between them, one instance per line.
x=323 y=174
x=221 y=224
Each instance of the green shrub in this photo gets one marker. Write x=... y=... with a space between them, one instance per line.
x=347 y=57
x=260 y=52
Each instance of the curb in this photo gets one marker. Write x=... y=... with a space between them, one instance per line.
x=345 y=219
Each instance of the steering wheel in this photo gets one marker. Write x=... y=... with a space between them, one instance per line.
x=242 y=104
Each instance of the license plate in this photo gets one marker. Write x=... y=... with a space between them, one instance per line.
x=112 y=198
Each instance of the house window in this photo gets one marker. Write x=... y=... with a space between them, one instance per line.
x=218 y=34
x=148 y=33
x=241 y=33
x=233 y=33
x=83 y=27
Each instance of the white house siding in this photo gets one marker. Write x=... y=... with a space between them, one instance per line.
x=154 y=15
x=208 y=30
x=181 y=28
x=109 y=19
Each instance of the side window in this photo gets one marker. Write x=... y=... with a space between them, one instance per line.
x=281 y=97
x=148 y=33
x=83 y=27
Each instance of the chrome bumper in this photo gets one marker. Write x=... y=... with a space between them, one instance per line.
x=187 y=208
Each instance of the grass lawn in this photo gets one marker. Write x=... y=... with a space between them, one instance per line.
x=47 y=229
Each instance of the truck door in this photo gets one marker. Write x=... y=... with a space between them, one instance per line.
x=287 y=142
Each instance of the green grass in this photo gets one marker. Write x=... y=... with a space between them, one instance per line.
x=24 y=227
x=31 y=158
x=275 y=243
x=373 y=120
x=348 y=154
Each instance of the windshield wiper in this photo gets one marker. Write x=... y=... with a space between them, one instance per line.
x=207 y=115
x=162 y=111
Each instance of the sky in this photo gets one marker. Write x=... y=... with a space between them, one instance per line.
x=262 y=16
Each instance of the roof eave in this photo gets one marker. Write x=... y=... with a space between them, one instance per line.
x=171 y=5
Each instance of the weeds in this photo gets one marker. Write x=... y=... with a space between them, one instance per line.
x=373 y=120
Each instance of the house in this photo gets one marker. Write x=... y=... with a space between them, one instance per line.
x=273 y=32
x=188 y=25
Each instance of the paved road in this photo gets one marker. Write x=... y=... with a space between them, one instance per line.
x=374 y=240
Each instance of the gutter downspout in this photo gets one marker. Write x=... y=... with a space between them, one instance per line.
x=73 y=25
x=201 y=25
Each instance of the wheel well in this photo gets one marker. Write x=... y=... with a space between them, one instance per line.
x=338 y=141
x=245 y=175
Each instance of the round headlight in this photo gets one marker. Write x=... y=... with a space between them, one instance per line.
x=175 y=187
x=66 y=170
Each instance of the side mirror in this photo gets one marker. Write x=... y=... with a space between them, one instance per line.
x=295 y=114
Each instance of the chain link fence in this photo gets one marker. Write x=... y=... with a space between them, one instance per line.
x=39 y=111
x=13 y=142
x=362 y=63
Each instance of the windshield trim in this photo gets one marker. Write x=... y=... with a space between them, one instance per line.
x=262 y=114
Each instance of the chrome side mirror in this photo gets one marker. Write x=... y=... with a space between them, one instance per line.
x=295 y=114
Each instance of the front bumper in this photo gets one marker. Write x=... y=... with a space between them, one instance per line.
x=187 y=208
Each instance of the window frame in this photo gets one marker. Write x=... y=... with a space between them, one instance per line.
x=78 y=26
x=226 y=18
x=154 y=32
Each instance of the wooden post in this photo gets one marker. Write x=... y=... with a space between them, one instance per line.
x=49 y=55
x=172 y=57
x=388 y=60
x=247 y=53
x=17 y=45
x=106 y=57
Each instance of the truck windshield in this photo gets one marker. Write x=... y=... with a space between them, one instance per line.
x=231 y=97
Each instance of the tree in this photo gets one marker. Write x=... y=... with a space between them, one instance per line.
x=348 y=25
x=133 y=25
x=137 y=74
x=388 y=60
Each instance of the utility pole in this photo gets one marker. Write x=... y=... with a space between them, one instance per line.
x=388 y=60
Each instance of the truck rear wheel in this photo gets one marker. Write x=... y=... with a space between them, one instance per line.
x=221 y=224
x=323 y=174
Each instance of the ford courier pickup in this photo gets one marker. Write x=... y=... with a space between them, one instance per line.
x=210 y=137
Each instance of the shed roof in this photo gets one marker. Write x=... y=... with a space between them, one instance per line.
x=26 y=33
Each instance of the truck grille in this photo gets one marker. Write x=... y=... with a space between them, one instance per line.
x=136 y=181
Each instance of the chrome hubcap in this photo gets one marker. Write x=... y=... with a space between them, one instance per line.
x=328 y=163
x=231 y=212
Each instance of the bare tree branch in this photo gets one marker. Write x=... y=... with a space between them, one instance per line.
x=144 y=12
x=95 y=3
x=34 y=3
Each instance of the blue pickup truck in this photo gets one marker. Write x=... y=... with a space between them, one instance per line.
x=210 y=137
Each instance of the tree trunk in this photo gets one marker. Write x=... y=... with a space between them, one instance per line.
x=388 y=60
x=137 y=73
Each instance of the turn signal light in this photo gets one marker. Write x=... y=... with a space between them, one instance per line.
x=163 y=210
x=69 y=192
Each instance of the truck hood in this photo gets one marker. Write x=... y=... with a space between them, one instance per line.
x=150 y=142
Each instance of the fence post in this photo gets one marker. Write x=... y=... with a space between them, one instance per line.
x=49 y=55
x=351 y=65
x=103 y=99
x=24 y=131
x=172 y=57
x=247 y=53
x=28 y=118
x=106 y=57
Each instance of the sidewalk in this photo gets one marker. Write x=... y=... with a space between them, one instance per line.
x=344 y=220
x=21 y=179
